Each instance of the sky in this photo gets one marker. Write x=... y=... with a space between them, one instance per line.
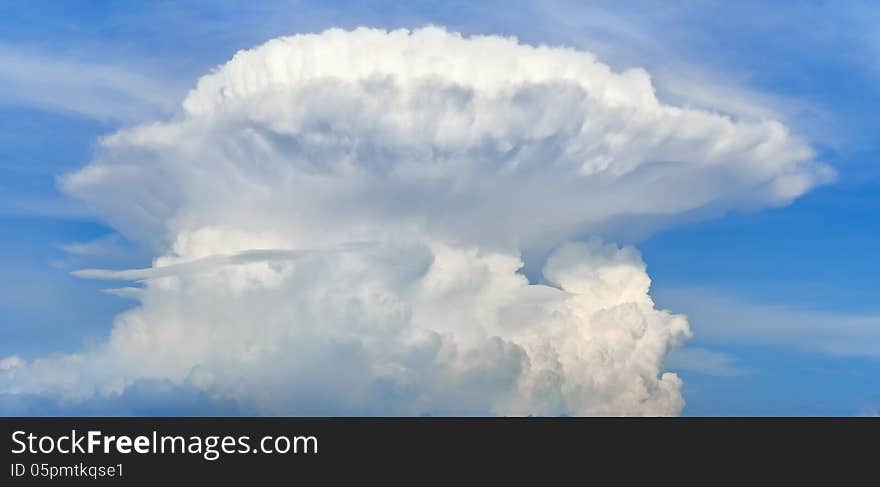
x=777 y=285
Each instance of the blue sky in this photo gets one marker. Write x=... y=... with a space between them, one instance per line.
x=767 y=291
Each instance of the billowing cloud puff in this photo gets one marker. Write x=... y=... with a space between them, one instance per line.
x=340 y=219
x=406 y=330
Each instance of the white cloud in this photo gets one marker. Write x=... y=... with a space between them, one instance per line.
x=9 y=363
x=393 y=330
x=704 y=361
x=340 y=218
x=107 y=244
x=678 y=44
x=720 y=319
x=93 y=89
x=356 y=135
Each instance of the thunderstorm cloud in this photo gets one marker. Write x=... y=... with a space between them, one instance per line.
x=340 y=222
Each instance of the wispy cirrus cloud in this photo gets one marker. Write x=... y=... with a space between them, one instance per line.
x=704 y=361
x=87 y=87
x=720 y=319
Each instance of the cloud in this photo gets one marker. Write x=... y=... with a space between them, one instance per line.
x=391 y=330
x=704 y=361
x=107 y=250
x=340 y=220
x=10 y=362
x=142 y=398
x=107 y=244
x=719 y=319
x=100 y=91
x=694 y=63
